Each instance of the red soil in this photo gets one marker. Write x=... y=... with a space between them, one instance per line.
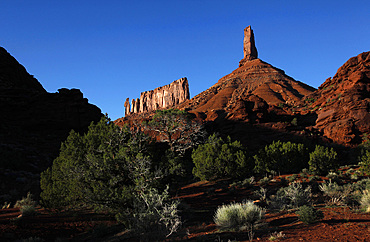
x=199 y=202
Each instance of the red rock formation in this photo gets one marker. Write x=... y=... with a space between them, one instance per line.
x=250 y=50
x=127 y=106
x=342 y=103
x=243 y=103
x=257 y=103
x=253 y=77
x=162 y=97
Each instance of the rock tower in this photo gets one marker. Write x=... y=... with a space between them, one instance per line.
x=250 y=50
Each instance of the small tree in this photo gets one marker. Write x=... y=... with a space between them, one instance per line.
x=110 y=168
x=282 y=157
x=322 y=160
x=218 y=159
x=177 y=128
x=365 y=161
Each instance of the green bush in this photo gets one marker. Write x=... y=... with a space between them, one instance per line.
x=238 y=216
x=264 y=181
x=309 y=214
x=322 y=160
x=365 y=162
x=111 y=169
x=93 y=168
x=25 y=201
x=283 y=157
x=219 y=159
x=292 y=178
x=28 y=210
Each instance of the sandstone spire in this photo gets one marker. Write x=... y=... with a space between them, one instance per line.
x=127 y=106
x=250 y=50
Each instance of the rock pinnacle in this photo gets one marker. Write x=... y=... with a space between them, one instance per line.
x=250 y=50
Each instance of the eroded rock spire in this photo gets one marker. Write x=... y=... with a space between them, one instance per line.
x=250 y=50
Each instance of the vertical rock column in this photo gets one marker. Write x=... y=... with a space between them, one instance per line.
x=127 y=106
x=250 y=50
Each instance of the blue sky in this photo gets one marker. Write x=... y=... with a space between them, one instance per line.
x=114 y=49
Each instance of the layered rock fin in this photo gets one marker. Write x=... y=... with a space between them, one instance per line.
x=162 y=97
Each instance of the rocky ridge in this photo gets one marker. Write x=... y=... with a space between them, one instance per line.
x=254 y=79
x=258 y=103
x=342 y=103
x=162 y=97
x=33 y=122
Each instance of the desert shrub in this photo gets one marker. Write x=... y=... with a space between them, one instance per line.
x=292 y=178
x=238 y=216
x=303 y=175
x=332 y=176
x=322 y=160
x=111 y=169
x=154 y=216
x=297 y=195
x=25 y=201
x=94 y=168
x=219 y=159
x=363 y=184
x=294 y=122
x=283 y=157
x=261 y=194
x=365 y=162
x=247 y=182
x=264 y=181
x=277 y=236
x=336 y=195
x=365 y=201
x=28 y=210
x=309 y=214
x=292 y=196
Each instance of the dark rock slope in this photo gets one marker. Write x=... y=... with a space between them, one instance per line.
x=33 y=122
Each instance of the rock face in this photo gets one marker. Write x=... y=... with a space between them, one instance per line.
x=250 y=50
x=257 y=104
x=244 y=104
x=162 y=97
x=342 y=103
x=253 y=77
x=33 y=122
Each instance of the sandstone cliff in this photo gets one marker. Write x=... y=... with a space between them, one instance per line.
x=342 y=103
x=162 y=97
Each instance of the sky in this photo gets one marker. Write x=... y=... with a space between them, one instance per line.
x=115 y=49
